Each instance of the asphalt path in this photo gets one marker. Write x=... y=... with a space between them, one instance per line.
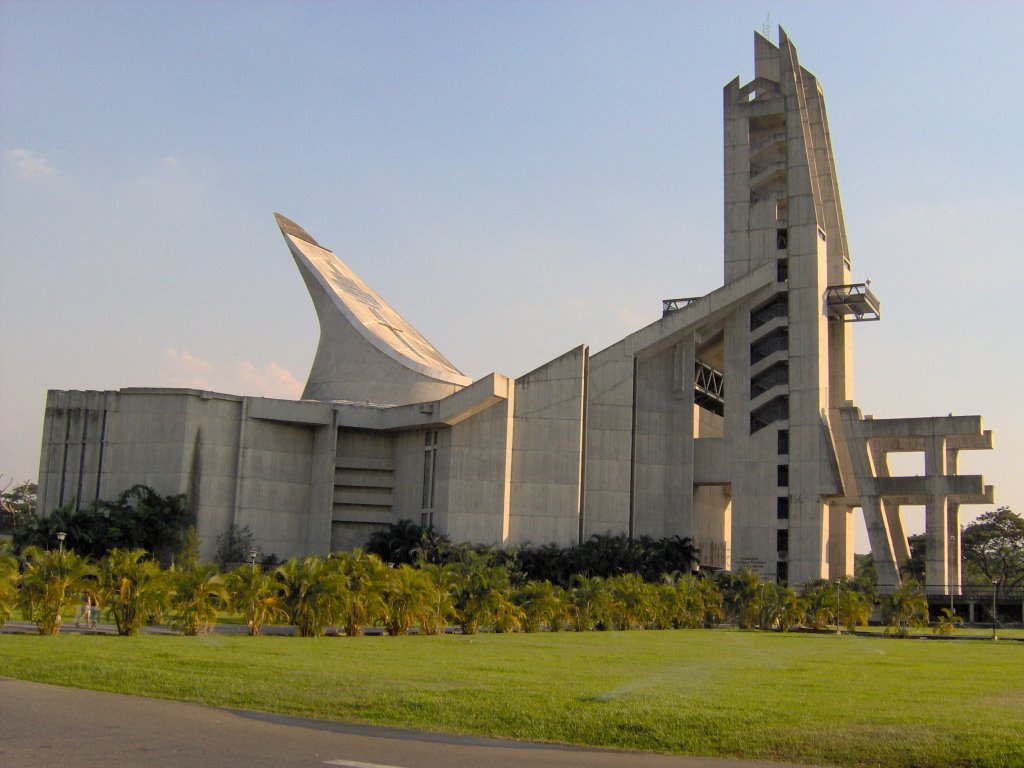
x=44 y=726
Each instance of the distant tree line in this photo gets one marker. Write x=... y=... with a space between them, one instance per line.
x=139 y=518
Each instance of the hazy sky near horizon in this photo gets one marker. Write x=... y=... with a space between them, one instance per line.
x=514 y=178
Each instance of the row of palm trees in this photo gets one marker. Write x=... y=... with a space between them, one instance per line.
x=348 y=591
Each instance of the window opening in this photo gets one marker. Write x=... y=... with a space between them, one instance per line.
x=777 y=306
x=776 y=409
x=782 y=508
x=782 y=571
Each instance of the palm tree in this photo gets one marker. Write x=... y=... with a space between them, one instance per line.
x=742 y=594
x=254 y=594
x=948 y=622
x=792 y=608
x=591 y=602
x=906 y=607
x=312 y=593
x=633 y=601
x=481 y=591
x=854 y=609
x=686 y=601
x=365 y=578
x=198 y=594
x=820 y=601
x=133 y=588
x=398 y=544
x=711 y=599
x=440 y=605
x=542 y=604
x=406 y=598
x=50 y=579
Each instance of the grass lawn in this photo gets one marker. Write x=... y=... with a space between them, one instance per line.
x=852 y=701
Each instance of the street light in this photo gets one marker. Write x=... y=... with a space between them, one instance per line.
x=995 y=583
x=252 y=558
x=61 y=535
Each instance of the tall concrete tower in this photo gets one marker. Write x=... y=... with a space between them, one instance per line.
x=790 y=354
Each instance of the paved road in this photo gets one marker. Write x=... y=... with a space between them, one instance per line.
x=45 y=726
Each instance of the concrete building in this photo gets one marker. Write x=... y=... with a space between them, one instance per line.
x=730 y=419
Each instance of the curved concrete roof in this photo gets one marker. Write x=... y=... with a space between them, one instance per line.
x=354 y=320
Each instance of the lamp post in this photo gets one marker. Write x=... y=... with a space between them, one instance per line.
x=61 y=535
x=995 y=583
x=252 y=558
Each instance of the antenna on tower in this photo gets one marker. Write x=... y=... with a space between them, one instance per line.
x=766 y=29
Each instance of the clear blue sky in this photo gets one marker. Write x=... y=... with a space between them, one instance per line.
x=514 y=178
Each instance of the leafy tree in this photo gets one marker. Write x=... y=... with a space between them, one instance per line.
x=8 y=583
x=198 y=593
x=139 y=518
x=133 y=588
x=993 y=548
x=254 y=593
x=865 y=576
x=904 y=608
x=17 y=506
x=50 y=580
x=233 y=547
x=914 y=569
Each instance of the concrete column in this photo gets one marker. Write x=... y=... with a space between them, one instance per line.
x=954 y=552
x=320 y=514
x=506 y=497
x=881 y=545
x=891 y=510
x=840 y=541
x=955 y=555
x=900 y=545
x=936 y=573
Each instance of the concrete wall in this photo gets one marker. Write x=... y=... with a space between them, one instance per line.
x=547 y=450
x=474 y=472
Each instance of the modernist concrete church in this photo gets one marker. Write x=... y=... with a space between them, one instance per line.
x=730 y=419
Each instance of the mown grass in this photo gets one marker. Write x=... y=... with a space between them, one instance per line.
x=849 y=701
